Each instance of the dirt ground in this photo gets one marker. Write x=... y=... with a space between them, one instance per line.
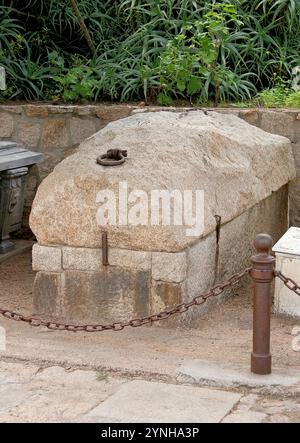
x=224 y=334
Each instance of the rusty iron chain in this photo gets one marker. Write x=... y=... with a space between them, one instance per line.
x=119 y=326
x=289 y=283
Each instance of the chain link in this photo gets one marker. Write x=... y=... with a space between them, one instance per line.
x=136 y=322
x=289 y=283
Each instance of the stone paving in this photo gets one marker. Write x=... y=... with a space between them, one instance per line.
x=29 y=393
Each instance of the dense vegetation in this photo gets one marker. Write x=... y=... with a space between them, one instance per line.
x=154 y=50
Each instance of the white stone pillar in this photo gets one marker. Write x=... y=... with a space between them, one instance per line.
x=287 y=252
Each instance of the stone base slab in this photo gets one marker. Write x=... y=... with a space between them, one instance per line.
x=149 y=402
x=233 y=376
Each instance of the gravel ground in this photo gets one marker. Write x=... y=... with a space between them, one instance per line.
x=224 y=334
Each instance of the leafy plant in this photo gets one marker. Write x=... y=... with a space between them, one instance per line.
x=197 y=50
x=193 y=62
x=272 y=98
x=279 y=97
x=77 y=85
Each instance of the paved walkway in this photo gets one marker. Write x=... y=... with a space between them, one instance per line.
x=29 y=393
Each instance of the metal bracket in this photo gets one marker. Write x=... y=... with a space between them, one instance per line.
x=104 y=249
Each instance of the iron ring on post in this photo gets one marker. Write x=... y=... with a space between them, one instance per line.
x=113 y=157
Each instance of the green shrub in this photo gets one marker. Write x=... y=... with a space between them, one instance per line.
x=272 y=98
x=77 y=85
x=192 y=64
x=149 y=49
x=293 y=100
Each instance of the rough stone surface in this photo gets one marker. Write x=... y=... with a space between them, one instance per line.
x=237 y=165
x=46 y=258
x=111 y=294
x=201 y=372
x=82 y=259
x=32 y=394
x=14 y=109
x=281 y=123
x=245 y=417
x=251 y=116
x=199 y=268
x=125 y=258
x=51 y=394
x=294 y=197
x=296 y=152
x=86 y=259
x=29 y=134
x=297 y=129
x=167 y=295
x=169 y=267
x=285 y=301
x=209 y=264
x=6 y=125
x=147 y=402
x=81 y=129
x=61 y=109
x=110 y=113
x=30 y=115
x=48 y=293
x=40 y=111
x=54 y=134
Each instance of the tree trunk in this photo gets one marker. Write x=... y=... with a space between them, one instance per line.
x=83 y=27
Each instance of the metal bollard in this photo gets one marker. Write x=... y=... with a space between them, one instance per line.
x=262 y=273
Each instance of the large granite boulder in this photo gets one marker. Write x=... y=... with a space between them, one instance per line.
x=243 y=171
x=236 y=164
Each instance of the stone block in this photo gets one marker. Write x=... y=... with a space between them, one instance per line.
x=85 y=110
x=61 y=109
x=80 y=129
x=40 y=111
x=82 y=259
x=15 y=109
x=278 y=122
x=233 y=375
x=113 y=112
x=141 y=401
x=201 y=259
x=236 y=165
x=29 y=134
x=294 y=202
x=6 y=125
x=287 y=262
x=112 y=294
x=169 y=267
x=251 y=116
x=54 y=134
x=48 y=293
x=45 y=258
x=125 y=258
x=231 y=111
x=297 y=129
x=296 y=152
x=167 y=295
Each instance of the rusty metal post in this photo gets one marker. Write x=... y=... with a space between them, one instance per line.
x=104 y=249
x=262 y=273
